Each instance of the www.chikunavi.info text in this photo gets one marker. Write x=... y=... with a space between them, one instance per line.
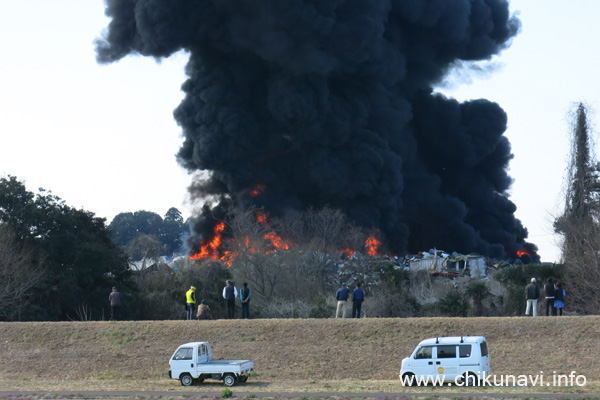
x=483 y=379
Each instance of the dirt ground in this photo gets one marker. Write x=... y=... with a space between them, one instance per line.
x=291 y=355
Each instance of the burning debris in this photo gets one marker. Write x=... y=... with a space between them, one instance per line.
x=293 y=105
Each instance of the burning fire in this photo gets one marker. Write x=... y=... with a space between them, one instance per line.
x=348 y=253
x=372 y=245
x=261 y=217
x=257 y=191
x=522 y=253
x=212 y=249
x=276 y=240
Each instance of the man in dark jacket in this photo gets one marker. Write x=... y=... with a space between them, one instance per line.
x=230 y=294
x=245 y=298
x=358 y=296
x=532 y=293
x=115 y=303
x=342 y=301
x=549 y=290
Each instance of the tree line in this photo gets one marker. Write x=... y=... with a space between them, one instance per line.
x=59 y=263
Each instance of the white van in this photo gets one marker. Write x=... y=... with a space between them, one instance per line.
x=447 y=359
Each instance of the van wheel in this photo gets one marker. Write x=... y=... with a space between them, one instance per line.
x=408 y=379
x=186 y=380
x=229 y=380
x=470 y=379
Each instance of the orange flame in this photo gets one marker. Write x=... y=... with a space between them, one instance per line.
x=261 y=217
x=521 y=253
x=210 y=249
x=348 y=253
x=258 y=190
x=277 y=242
x=372 y=245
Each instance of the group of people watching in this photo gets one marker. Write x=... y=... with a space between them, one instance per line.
x=343 y=296
x=554 y=296
x=230 y=293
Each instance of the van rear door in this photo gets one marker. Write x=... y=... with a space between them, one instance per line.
x=485 y=357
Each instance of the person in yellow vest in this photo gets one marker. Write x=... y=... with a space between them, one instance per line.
x=190 y=302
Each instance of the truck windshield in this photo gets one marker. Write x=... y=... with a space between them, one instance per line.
x=184 y=353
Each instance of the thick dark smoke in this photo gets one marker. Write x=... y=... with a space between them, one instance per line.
x=330 y=102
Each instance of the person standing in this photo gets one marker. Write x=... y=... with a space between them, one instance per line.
x=342 y=296
x=114 y=299
x=190 y=302
x=230 y=294
x=559 y=298
x=549 y=291
x=532 y=293
x=358 y=296
x=245 y=298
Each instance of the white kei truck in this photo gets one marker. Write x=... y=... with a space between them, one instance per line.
x=192 y=362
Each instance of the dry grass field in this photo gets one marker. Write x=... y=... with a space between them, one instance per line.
x=291 y=355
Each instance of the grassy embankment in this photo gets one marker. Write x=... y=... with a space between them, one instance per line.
x=300 y=355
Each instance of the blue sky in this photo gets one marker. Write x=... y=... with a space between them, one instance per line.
x=103 y=138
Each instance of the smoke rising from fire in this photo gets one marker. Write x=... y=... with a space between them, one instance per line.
x=311 y=103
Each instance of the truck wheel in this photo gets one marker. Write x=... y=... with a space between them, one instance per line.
x=408 y=379
x=243 y=379
x=186 y=380
x=229 y=379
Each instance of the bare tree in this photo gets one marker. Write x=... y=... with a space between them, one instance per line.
x=144 y=247
x=582 y=272
x=580 y=224
x=20 y=272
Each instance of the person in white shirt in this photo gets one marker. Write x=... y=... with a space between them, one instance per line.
x=230 y=294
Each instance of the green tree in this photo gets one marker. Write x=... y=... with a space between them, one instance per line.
x=127 y=226
x=172 y=231
x=478 y=292
x=80 y=259
x=454 y=304
x=174 y=215
x=516 y=277
x=20 y=272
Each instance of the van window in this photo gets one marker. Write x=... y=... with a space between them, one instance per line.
x=464 y=350
x=484 y=349
x=184 y=353
x=448 y=351
x=424 y=352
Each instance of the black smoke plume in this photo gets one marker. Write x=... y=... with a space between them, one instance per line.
x=330 y=102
